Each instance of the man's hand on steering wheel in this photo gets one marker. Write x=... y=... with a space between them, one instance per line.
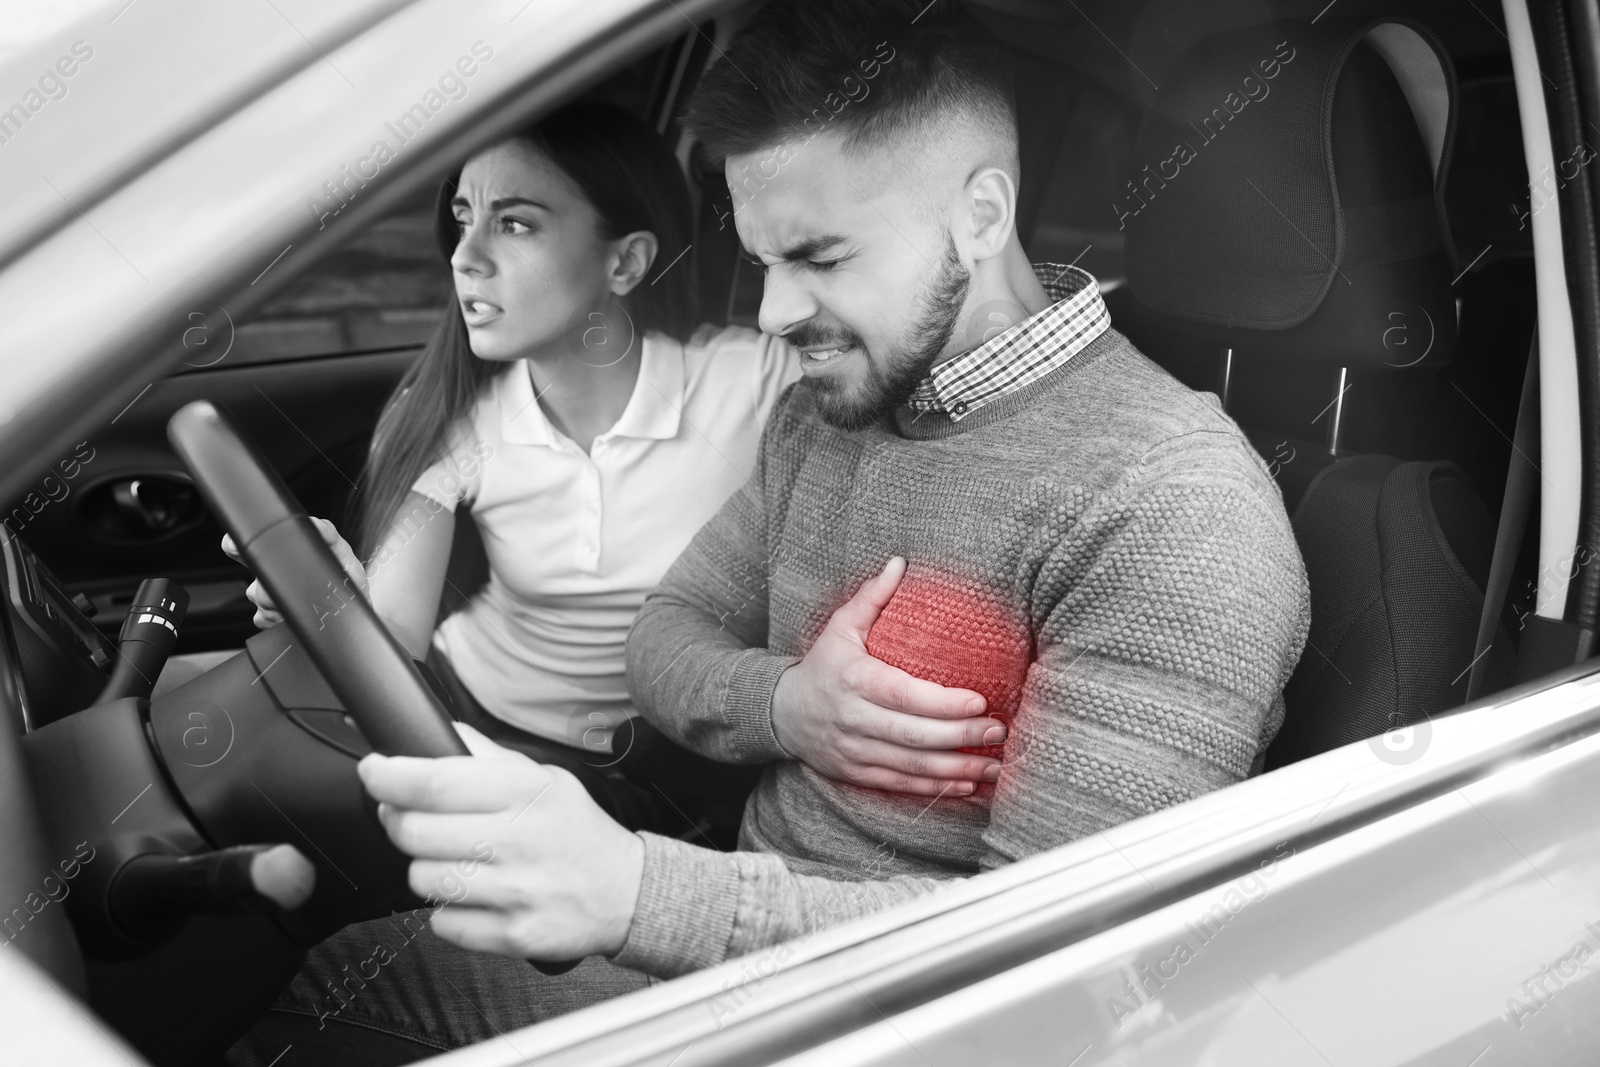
x=856 y=719
x=267 y=613
x=528 y=864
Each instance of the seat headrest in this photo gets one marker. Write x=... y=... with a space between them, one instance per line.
x=1291 y=198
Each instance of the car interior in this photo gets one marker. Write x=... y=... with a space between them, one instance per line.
x=1319 y=214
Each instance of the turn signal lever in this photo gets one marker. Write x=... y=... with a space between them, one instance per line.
x=153 y=895
x=148 y=634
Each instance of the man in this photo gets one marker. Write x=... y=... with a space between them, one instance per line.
x=1069 y=533
x=1000 y=582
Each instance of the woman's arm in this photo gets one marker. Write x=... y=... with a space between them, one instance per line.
x=403 y=581
x=405 y=577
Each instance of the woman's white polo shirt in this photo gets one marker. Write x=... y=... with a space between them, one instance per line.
x=576 y=541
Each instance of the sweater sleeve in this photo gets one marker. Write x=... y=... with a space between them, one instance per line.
x=1169 y=618
x=698 y=668
x=698 y=907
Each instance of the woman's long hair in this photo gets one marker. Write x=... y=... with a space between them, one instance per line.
x=630 y=177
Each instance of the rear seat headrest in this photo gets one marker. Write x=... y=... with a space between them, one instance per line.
x=1291 y=196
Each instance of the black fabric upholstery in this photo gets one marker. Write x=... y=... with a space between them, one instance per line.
x=1303 y=229
x=717 y=261
x=468 y=569
x=1397 y=555
x=1287 y=205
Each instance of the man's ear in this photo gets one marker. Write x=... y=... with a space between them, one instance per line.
x=631 y=258
x=990 y=204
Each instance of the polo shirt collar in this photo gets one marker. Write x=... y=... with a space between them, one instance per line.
x=653 y=412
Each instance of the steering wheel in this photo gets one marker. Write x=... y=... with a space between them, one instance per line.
x=362 y=662
x=364 y=665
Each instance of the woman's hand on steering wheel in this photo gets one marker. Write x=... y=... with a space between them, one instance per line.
x=267 y=613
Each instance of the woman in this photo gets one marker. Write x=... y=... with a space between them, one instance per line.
x=568 y=400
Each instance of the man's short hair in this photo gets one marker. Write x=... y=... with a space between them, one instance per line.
x=874 y=71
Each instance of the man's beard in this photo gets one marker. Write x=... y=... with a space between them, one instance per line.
x=906 y=364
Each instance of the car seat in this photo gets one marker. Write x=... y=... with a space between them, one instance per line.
x=1287 y=230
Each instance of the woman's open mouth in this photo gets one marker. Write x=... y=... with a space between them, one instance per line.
x=478 y=312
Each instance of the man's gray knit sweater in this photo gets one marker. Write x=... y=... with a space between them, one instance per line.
x=1100 y=553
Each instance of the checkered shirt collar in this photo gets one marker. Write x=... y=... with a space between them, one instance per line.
x=1022 y=354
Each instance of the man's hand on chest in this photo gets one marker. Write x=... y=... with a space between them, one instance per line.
x=853 y=717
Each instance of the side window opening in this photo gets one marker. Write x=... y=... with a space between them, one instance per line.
x=380 y=291
x=383 y=290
